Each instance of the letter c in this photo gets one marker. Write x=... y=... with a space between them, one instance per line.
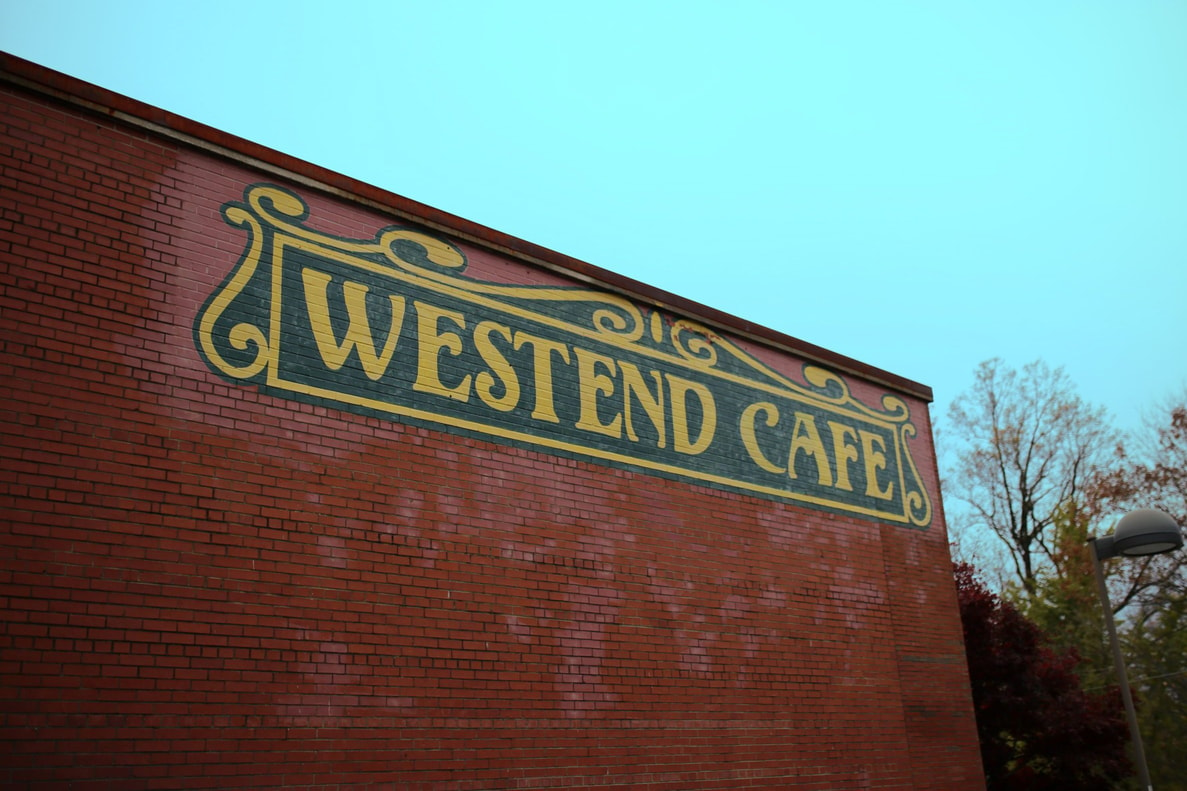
x=750 y=440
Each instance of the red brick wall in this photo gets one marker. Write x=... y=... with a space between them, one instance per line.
x=204 y=585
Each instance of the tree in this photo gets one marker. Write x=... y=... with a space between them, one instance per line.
x=1065 y=604
x=1039 y=730
x=1153 y=477
x=1028 y=445
x=1155 y=651
x=1151 y=592
x=1041 y=471
x=1166 y=473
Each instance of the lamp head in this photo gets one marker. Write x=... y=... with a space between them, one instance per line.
x=1146 y=532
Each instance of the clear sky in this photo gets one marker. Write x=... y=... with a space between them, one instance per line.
x=917 y=185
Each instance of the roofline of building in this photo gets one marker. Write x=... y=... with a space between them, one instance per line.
x=100 y=101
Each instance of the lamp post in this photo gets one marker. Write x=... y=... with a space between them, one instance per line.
x=1145 y=532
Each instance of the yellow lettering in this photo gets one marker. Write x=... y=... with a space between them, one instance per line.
x=875 y=458
x=431 y=343
x=653 y=404
x=750 y=439
x=542 y=351
x=358 y=329
x=591 y=384
x=678 y=390
x=805 y=437
x=844 y=452
x=485 y=381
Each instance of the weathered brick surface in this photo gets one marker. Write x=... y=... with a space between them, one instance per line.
x=207 y=586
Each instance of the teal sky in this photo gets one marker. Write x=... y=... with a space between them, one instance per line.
x=920 y=186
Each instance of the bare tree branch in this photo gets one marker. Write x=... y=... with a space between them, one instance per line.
x=1029 y=443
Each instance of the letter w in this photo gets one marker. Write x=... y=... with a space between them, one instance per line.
x=358 y=329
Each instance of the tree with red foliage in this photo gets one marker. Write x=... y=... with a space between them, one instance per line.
x=1039 y=730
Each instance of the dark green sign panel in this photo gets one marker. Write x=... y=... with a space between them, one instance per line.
x=393 y=326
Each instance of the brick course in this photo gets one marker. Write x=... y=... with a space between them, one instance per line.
x=209 y=586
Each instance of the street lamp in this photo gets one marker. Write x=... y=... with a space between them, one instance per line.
x=1145 y=532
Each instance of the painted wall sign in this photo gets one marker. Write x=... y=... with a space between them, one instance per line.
x=393 y=326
